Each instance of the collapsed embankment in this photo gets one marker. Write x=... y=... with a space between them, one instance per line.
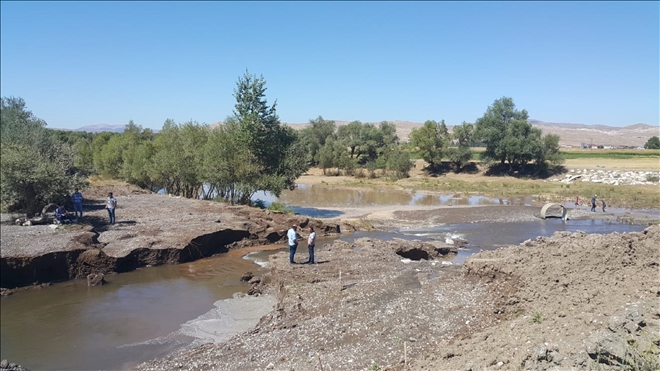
x=90 y=258
x=151 y=230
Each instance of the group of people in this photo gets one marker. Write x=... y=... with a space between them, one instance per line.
x=62 y=215
x=594 y=199
x=293 y=244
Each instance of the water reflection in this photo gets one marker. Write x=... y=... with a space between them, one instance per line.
x=307 y=199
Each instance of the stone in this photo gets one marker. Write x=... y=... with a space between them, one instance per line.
x=247 y=276
x=96 y=279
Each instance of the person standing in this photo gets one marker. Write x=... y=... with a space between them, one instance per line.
x=311 y=242
x=593 y=203
x=577 y=201
x=77 y=199
x=293 y=242
x=111 y=205
x=602 y=201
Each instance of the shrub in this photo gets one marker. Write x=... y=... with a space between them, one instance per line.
x=276 y=206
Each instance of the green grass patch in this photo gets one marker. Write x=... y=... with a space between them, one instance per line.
x=610 y=154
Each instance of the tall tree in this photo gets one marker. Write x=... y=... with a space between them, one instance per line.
x=272 y=148
x=314 y=137
x=493 y=127
x=431 y=140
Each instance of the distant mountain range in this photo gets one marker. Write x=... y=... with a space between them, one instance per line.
x=570 y=134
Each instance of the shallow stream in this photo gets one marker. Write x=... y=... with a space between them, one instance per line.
x=154 y=311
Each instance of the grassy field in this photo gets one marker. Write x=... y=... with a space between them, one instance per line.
x=620 y=154
x=578 y=153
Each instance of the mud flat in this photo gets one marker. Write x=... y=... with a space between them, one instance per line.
x=151 y=229
x=570 y=301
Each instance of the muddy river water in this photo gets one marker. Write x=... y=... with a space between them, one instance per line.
x=158 y=310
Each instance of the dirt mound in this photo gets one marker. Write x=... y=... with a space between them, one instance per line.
x=571 y=301
x=575 y=301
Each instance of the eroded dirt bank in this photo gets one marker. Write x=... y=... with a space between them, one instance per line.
x=150 y=230
x=571 y=301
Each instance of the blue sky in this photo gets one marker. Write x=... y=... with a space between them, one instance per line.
x=85 y=63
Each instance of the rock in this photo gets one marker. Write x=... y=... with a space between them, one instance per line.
x=254 y=280
x=95 y=279
x=247 y=276
x=6 y=365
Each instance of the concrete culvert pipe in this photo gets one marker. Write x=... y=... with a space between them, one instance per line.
x=553 y=208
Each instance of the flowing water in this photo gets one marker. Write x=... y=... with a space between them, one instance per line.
x=154 y=311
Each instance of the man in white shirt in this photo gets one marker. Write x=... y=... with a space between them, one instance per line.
x=293 y=242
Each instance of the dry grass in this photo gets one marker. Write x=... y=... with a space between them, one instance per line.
x=643 y=163
x=102 y=181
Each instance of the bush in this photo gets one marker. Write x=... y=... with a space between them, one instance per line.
x=276 y=206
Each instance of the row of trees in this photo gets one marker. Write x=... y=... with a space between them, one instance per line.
x=355 y=145
x=249 y=152
x=505 y=132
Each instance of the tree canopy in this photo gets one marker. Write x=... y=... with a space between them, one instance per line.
x=652 y=143
x=431 y=139
x=36 y=168
x=509 y=138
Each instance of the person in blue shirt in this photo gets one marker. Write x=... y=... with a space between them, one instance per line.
x=77 y=199
x=293 y=242
x=593 y=203
x=60 y=214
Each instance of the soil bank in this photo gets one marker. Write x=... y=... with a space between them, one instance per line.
x=151 y=229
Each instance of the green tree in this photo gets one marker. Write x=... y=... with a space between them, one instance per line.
x=274 y=156
x=229 y=166
x=509 y=138
x=314 y=137
x=551 y=152
x=461 y=155
x=431 y=140
x=495 y=125
x=36 y=168
x=399 y=163
x=351 y=136
x=652 y=143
